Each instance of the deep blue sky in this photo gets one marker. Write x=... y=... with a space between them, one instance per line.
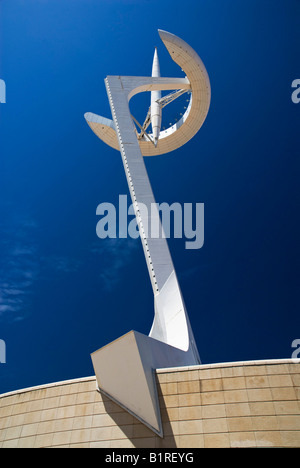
x=65 y=293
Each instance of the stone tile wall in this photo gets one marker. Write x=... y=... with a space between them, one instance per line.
x=251 y=404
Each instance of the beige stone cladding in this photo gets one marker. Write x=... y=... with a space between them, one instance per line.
x=245 y=404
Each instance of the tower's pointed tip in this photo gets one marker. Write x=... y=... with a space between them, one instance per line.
x=155 y=64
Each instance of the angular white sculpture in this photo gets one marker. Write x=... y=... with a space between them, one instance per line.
x=125 y=368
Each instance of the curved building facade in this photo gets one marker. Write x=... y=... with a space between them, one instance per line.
x=244 y=404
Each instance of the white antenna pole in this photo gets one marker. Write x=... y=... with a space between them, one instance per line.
x=155 y=107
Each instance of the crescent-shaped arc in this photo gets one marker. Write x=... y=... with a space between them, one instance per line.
x=194 y=116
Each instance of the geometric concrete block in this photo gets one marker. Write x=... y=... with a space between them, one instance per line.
x=125 y=371
x=126 y=378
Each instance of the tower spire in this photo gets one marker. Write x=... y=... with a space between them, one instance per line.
x=155 y=65
x=155 y=95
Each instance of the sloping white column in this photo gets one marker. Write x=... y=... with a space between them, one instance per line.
x=125 y=368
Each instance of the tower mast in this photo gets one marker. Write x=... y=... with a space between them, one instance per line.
x=155 y=106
